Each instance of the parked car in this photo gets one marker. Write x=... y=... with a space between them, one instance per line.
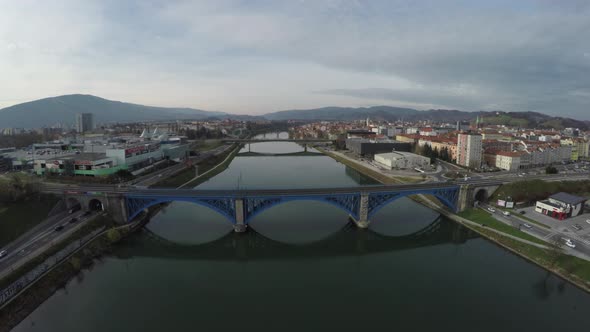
x=527 y=225
x=3 y=253
x=569 y=243
x=522 y=212
x=58 y=228
x=73 y=220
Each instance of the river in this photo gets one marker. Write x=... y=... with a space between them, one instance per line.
x=303 y=267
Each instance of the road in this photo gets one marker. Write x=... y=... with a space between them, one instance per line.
x=551 y=236
x=27 y=246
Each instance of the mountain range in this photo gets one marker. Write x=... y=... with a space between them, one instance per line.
x=63 y=109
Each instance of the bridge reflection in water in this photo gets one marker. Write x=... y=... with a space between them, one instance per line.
x=349 y=241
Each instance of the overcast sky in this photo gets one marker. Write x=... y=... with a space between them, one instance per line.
x=254 y=56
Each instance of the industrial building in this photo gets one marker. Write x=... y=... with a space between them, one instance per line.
x=136 y=156
x=561 y=206
x=402 y=160
x=86 y=164
x=365 y=147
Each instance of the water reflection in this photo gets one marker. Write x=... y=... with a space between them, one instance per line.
x=253 y=245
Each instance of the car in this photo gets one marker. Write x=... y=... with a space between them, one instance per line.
x=577 y=227
x=522 y=212
x=492 y=210
x=569 y=243
x=588 y=221
x=3 y=253
x=58 y=228
x=506 y=213
x=527 y=225
x=87 y=213
x=73 y=220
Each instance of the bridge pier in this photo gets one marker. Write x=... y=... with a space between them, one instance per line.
x=363 y=221
x=240 y=226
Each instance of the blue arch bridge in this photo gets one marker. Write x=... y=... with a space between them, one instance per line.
x=240 y=206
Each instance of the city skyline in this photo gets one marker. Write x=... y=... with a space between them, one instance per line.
x=260 y=57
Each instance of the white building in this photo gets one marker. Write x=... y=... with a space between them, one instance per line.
x=469 y=150
x=403 y=160
x=508 y=160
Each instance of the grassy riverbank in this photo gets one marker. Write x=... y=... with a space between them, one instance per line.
x=16 y=218
x=204 y=166
x=484 y=218
x=573 y=269
x=213 y=166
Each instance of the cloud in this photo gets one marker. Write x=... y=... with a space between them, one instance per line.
x=258 y=56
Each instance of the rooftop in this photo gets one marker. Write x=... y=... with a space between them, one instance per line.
x=568 y=198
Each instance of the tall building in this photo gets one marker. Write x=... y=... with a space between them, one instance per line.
x=84 y=122
x=469 y=150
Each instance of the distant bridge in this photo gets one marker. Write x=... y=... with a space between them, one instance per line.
x=290 y=154
x=241 y=206
x=262 y=140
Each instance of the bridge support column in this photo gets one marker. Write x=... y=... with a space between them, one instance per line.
x=240 y=226
x=305 y=147
x=363 y=221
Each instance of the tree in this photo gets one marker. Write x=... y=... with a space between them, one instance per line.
x=551 y=170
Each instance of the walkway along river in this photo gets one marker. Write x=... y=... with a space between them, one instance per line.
x=302 y=267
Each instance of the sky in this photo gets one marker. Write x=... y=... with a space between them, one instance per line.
x=257 y=56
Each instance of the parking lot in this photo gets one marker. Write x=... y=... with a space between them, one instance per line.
x=566 y=225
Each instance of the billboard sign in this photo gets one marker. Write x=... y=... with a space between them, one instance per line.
x=501 y=202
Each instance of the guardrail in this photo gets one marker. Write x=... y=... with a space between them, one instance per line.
x=8 y=293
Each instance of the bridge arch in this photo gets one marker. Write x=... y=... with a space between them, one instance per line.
x=446 y=197
x=225 y=207
x=348 y=203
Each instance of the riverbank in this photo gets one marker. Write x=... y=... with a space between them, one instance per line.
x=188 y=175
x=372 y=173
x=573 y=269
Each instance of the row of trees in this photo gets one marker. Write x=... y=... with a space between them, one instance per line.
x=202 y=133
x=16 y=188
x=427 y=151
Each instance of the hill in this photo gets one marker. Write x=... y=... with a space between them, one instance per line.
x=389 y=113
x=63 y=109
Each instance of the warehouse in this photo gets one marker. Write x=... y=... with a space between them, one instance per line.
x=87 y=164
x=365 y=147
x=402 y=160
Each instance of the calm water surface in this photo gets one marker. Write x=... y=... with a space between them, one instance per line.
x=303 y=267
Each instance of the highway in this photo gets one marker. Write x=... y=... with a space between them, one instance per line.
x=41 y=236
